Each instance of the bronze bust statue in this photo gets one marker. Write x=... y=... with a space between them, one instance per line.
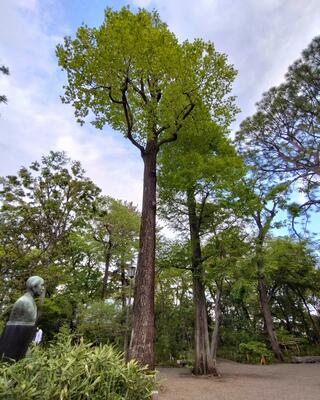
x=21 y=327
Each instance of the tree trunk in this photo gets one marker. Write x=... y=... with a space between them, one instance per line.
x=125 y=309
x=203 y=363
x=299 y=308
x=285 y=317
x=315 y=327
x=263 y=295
x=123 y=288
x=142 y=335
x=216 y=329
x=267 y=314
x=106 y=270
x=127 y=323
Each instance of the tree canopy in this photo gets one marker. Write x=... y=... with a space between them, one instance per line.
x=284 y=133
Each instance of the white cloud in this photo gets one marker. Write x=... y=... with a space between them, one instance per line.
x=28 y=4
x=35 y=122
x=261 y=38
x=112 y=166
x=142 y=3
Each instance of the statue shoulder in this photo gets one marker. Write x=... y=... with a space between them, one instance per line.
x=24 y=310
x=24 y=301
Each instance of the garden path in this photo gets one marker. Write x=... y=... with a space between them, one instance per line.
x=243 y=382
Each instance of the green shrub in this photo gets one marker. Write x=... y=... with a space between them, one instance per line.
x=255 y=351
x=55 y=313
x=65 y=371
x=290 y=341
x=99 y=322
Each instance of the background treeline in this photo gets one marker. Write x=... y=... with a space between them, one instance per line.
x=56 y=223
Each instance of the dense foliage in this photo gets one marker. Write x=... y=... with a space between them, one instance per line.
x=54 y=223
x=292 y=281
x=284 y=133
x=75 y=372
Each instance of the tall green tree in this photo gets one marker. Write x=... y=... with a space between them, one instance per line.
x=41 y=207
x=174 y=304
x=293 y=278
x=84 y=258
x=284 y=133
x=133 y=74
x=189 y=193
x=222 y=252
x=115 y=226
x=261 y=199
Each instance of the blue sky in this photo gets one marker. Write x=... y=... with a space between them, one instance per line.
x=261 y=38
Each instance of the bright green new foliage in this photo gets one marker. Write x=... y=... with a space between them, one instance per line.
x=255 y=349
x=132 y=73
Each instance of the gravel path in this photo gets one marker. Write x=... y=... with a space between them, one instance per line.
x=243 y=382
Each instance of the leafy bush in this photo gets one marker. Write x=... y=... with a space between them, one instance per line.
x=290 y=341
x=230 y=341
x=255 y=350
x=55 y=313
x=101 y=322
x=294 y=345
x=65 y=371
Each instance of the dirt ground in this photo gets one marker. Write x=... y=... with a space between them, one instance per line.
x=243 y=382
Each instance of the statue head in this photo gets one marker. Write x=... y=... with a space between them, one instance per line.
x=35 y=285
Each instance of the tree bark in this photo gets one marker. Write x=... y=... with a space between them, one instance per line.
x=315 y=327
x=216 y=329
x=267 y=312
x=127 y=323
x=203 y=363
x=142 y=335
x=285 y=317
x=123 y=288
x=106 y=270
x=300 y=310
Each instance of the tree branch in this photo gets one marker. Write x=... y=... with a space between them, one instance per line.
x=185 y=111
x=129 y=118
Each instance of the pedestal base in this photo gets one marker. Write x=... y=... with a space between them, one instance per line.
x=15 y=340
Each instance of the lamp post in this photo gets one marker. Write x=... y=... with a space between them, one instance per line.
x=107 y=256
x=131 y=271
